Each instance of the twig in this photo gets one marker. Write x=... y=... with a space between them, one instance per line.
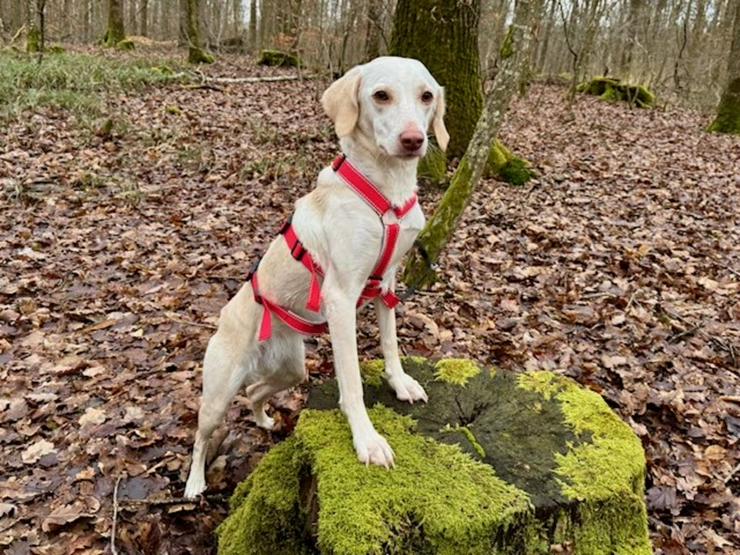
x=734 y=471
x=113 y=549
x=190 y=323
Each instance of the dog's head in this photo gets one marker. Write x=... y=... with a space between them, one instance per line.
x=388 y=103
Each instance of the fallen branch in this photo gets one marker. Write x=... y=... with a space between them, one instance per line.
x=266 y=79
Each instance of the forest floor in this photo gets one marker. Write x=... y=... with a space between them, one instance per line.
x=619 y=266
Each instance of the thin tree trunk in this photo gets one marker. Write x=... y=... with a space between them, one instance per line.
x=373 y=29
x=438 y=231
x=144 y=21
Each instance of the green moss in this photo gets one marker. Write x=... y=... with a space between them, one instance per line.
x=605 y=475
x=56 y=49
x=433 y=487
x=125 y=44
x=464 y=430
x=456 y=371
x=278 y=58
x=507 y=47
x=33 y=40
x=503 y=165
x=614 y=90
x=372 y=372
x=265 y=508
x=433 y=167
x=728 y=111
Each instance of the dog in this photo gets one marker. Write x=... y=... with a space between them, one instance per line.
x=326 y=260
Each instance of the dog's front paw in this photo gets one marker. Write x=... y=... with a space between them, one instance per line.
x=407 y=388
x=372 y=448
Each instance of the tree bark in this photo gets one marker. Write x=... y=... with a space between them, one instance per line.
x=144 y=21
x=196 y=54
x=372 y=31
x=253 y=25
x=115 y=32
x=452 y=57
x=438 y=231
x=728 y=111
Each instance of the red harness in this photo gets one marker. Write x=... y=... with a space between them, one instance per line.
x=391 y=231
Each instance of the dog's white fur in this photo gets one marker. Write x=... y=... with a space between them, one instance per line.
x=344 y=236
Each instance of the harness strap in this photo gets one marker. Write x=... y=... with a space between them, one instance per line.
x=289 y=318
x=299 y=252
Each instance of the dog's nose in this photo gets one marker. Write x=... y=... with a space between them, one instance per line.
x=411 y=140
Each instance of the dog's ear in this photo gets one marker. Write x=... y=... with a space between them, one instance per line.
x=341 y=102
x=438 y=122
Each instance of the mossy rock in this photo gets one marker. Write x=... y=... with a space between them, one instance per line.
x=495 y=463
x=614 y=90
x=278 y=58
x=504 y=165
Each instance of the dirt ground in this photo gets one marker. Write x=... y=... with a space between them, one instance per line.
x=618 y=266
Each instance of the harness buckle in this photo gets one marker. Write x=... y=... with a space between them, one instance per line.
x=338 y=161
x=301 y=252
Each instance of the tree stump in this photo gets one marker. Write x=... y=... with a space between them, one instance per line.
x=278 y=58
x=614 y=90
x=494 y=463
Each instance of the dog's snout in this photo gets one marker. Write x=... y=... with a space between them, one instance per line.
x=412 y=140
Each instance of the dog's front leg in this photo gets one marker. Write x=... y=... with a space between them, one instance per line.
x=341 y=313
x=406 y=387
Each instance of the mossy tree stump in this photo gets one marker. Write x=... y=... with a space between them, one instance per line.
x=278 y=58
x=614 y=90
x=494 y=463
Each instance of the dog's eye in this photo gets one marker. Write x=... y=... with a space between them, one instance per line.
x=381 y=96
x=427 y=97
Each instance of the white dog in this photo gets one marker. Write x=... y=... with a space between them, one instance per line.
x=341 y=249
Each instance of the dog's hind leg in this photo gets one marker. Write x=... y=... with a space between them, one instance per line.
x=284 y=359
x=224 y=372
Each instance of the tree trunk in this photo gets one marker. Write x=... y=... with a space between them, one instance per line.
x=115 y=32
x=196 y=54
x=144 y=21
x=452 y=57
x=35 y=22
x=728 y=111
x=631 y=28
x=372 y=31
x=253 y=25
x=438 y=231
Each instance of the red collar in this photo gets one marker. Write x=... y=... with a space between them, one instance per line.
x=367 y=191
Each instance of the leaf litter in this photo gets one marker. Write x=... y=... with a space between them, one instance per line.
x=618 y=266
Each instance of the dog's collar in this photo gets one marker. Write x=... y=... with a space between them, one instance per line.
x=367 y=191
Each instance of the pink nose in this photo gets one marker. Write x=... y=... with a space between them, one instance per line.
x=411 y=140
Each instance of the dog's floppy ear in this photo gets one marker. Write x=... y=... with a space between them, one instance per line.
x=341 y=103
x=438 y=123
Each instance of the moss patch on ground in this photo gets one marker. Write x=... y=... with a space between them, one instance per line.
x=278 y=58
x=494 y=463
x=504 y=165
x=614 y=90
